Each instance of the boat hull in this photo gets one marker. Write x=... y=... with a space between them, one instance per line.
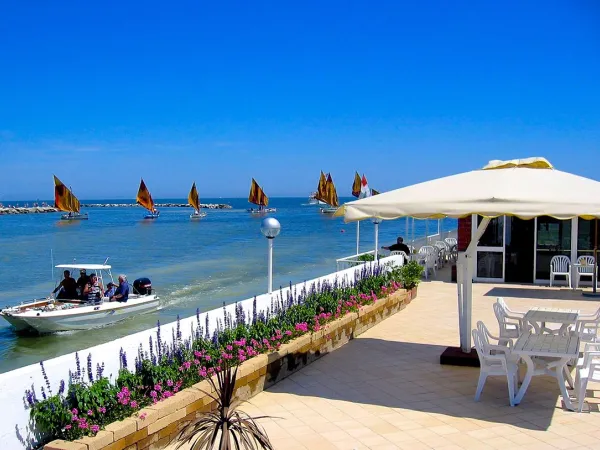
x=328 y=210
x=88 y=317
x=74 y=217
x=18 y=323
x=151 y=216
x=197 y=216
x=262 y=211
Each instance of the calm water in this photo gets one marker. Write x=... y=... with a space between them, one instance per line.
x=192 y=265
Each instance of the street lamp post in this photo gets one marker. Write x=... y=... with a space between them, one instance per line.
x=270 y=228
x=376 y=222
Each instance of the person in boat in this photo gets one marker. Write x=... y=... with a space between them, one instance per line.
x=399 y=246
x=67 y=288
x=122 y=292
x=93 y=290
x=82 y=281
x=111 y=288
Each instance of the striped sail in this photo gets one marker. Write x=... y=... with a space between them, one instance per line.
x=356 y=186
x=193 y=198
x=144 y=198
x=332 y=198
x=64 y=200
x=257 y=195
x=322 y=189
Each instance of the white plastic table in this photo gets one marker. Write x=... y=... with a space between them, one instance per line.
x=563 y=348
x=538 y=317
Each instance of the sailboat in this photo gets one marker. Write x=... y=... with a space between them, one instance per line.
x=194 y=201
x=327 y=193
x=65 y=201
x=258 y=197
x=145 y=199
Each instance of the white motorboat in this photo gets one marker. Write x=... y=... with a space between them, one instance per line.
x=312 y=200
x=261 y=210
x=328 y=210
x=51 y=315
x=197 y=215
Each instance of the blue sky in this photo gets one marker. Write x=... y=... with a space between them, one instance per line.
x=219 y=92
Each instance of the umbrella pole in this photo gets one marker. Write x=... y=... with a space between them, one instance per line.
x=594 y=292
x=357 y=236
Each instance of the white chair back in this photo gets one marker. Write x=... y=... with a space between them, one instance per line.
x=560 y=263
x=442 y=245
x=400 y=253
x=587 y=264
x=451 y=241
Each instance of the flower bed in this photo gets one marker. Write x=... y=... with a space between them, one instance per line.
x=92 y=402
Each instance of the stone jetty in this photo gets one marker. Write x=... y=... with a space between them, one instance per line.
x=26 y=210
x=9 y=210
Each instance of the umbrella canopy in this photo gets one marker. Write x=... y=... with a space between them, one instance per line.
x=525 y=188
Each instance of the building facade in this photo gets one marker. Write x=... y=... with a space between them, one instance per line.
x=513 y=250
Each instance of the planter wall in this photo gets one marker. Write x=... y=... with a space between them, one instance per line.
x=165 y=419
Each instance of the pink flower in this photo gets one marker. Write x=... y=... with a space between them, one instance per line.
x=133 y=404
x=169 y=383
x=90 y=412
x=143 y=416
x=157 y=387
x=83 y=425
x=167 y=394
x=208 y=358
x=74 y=417
x=74 y=411
x=94 y=428
x=229 y=348
x=288 y=333
x=68 y=427
x=153 y=394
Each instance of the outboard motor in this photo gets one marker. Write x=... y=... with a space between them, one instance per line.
x=142 y=286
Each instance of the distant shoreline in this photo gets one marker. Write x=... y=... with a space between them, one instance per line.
x=10 y=210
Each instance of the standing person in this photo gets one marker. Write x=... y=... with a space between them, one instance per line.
x=93 y=290
x=82 y=282
x=399 y=246
x=122 y=292
x=67 y=287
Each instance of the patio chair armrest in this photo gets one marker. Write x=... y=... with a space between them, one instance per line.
x=500 y=348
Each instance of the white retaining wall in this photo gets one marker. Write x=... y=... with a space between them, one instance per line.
x=15 y=427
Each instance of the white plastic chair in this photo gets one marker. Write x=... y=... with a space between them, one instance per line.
x=560 y=265
x=510 y=326
x=442 y=251
x=401 y=253
x=510 y=312
x=495 y=360
x=588 y=369
x=451 y=241
x=430 y=259
x=587 y=328
x=586 y=269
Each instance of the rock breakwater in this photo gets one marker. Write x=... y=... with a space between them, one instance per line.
x=26 y=210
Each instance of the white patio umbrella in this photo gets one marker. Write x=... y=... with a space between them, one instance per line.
x=525 y=188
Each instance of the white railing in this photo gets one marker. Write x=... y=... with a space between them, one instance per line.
x=353 y=260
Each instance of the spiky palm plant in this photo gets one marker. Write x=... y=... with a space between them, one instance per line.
x=234 y=429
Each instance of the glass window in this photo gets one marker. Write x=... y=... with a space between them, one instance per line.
x=585 y=237
x=489 y=264
x=494 y=233
x=553 y=238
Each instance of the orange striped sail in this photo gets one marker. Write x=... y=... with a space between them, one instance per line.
x=356 y=185
x=322 y=188
x=332 y=198
x=193 y=198
x=64 y=200
x=257 y=195
x=144 y=198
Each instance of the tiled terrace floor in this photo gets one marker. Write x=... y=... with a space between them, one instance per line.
x=387 y=390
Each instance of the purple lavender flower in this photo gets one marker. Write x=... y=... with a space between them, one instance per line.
x=46 y=377
x=123 y=358
x=89 y=368
x=61 y=387
x=207 y=335
x=159 y=344
x=78 y=364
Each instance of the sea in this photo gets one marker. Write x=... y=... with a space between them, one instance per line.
x=192 y=264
